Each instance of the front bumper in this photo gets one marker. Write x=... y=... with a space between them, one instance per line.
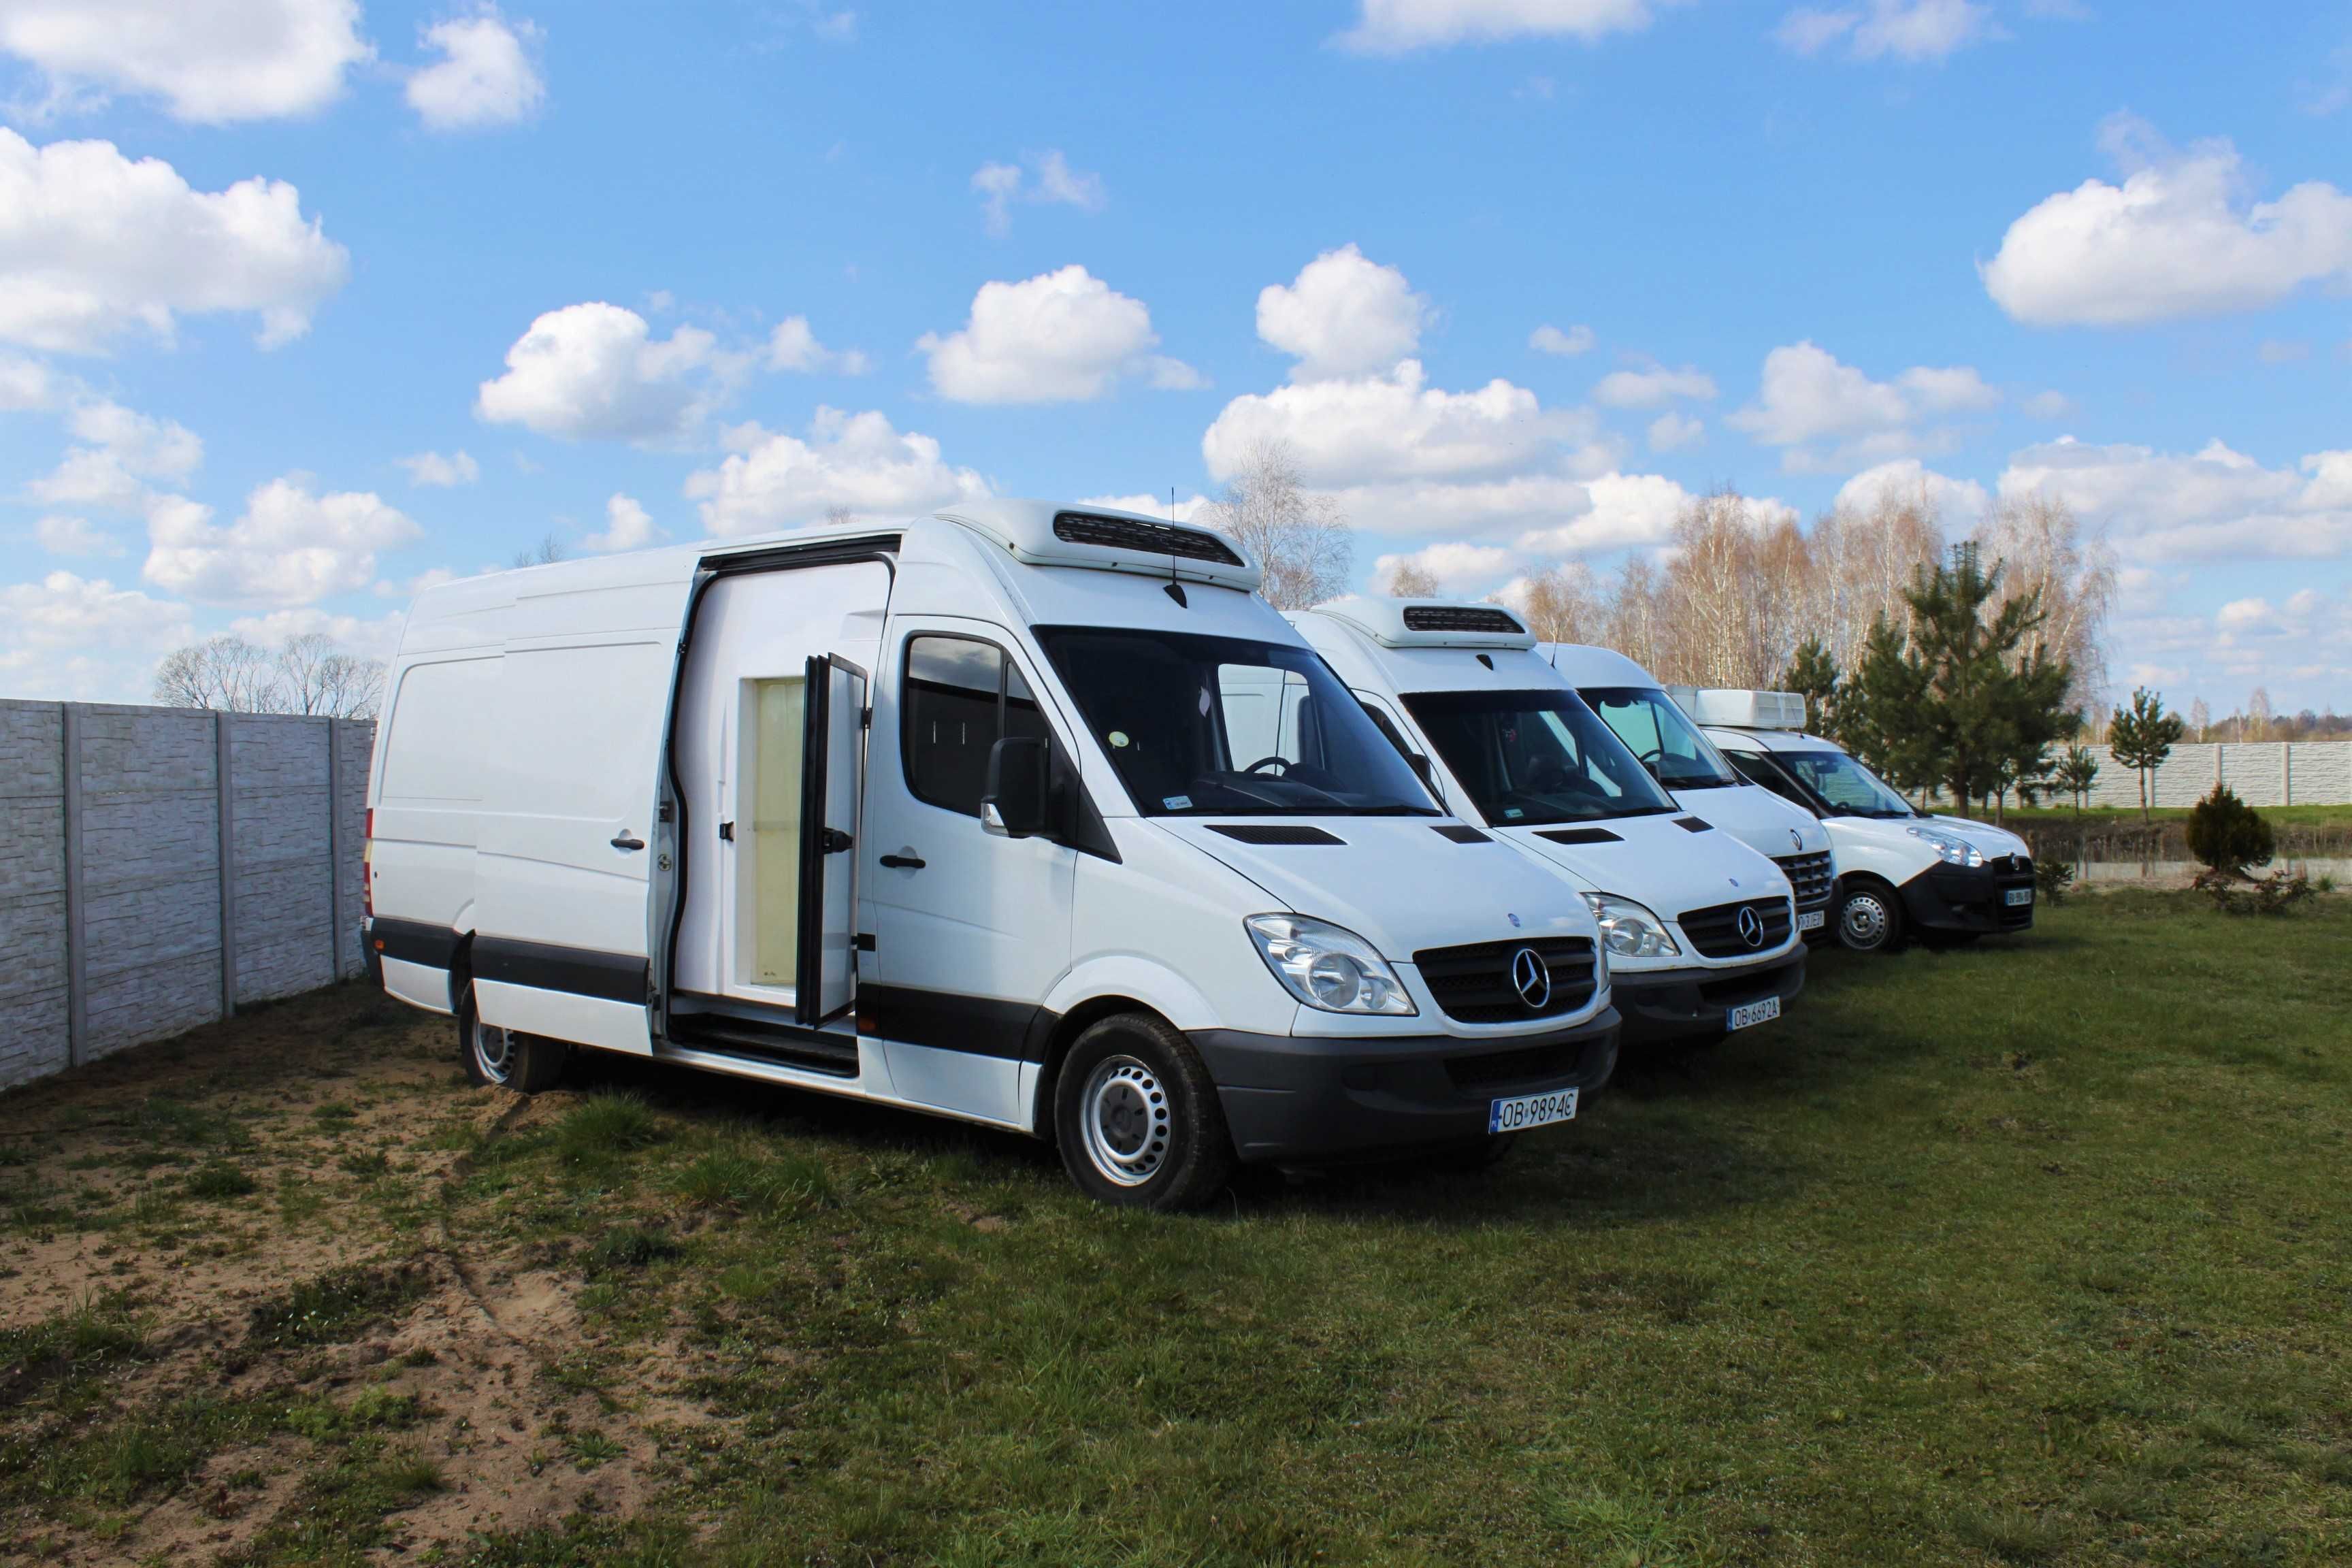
x=1970 y=897
x=1297 y=1098
x=1671 y=1004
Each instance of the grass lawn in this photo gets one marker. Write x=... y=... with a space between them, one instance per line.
x=2102 y=816
x=2035 y=1251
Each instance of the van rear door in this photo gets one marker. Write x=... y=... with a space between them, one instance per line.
x=572 y=744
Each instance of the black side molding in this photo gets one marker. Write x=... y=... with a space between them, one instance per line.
x=981 y=1025
x=1580 y=834
x=413 y=942
x=608 y=976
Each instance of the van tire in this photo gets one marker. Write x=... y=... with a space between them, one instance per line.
x=529 y=1063
x=1869 y=917
x=1138 y=1118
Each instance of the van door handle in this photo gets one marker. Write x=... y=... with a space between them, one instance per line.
x=626 y=840
x=903 y=862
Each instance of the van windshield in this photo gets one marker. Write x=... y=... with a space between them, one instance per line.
x=1205 y=726
x=1844 y=787
x=1529 y=758
x=1659 y=733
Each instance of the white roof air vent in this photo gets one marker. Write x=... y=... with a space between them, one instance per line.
x=1737 y=709
x=1042 y=533
x=1431 y=623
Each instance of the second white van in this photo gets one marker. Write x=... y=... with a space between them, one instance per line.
x=975 y=815
x=1700 y=929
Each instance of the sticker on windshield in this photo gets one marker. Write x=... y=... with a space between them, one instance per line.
x=1177 y=802
x=1513 y=810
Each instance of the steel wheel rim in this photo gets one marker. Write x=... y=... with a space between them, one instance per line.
x=493 y=1050
x=1863 y=923
x=1125 y=1118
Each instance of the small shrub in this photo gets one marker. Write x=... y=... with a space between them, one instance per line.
x=2052 y=880
x=730 y=1178
x=2234 y=893
x=2228 y=835
x=628 y=1247
x=610 y=1122
x=218 y=1179
x=337 y=1305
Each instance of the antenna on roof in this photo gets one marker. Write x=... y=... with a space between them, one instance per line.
x=1171 y=503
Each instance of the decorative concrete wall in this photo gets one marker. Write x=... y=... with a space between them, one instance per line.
x=2273 y=773
x=115 y=892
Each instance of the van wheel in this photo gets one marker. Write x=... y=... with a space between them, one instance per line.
x=1138 y=1118
x=1870 y=918
x=506 y=1058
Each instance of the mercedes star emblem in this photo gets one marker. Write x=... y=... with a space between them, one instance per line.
x=1530 y=978
x=1752 y=928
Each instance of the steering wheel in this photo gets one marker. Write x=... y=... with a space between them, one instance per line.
x=1652 y=758
x=1278 y=760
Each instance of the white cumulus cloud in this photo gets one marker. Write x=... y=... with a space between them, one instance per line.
x=2209 y=504
x=1045 y=178
x=290 y=546
x=2177 y=237
x=1672 y=431
x=1910 y=30
x=62 y=535
x=1149 y=506
x=212 y=62
x=771 y=479
x=595 y=372
x=487 y=73
x=627 y=526
x=1959 y=503
x=1652 y=387
x=1400 y=27
x=93 y=245
x=1059 y=337
x=793 y=346
x=1550 y=340
x=431 y=470
x=116 y=451
x=1829 y=416
x=73 y=638
x=1343 y=315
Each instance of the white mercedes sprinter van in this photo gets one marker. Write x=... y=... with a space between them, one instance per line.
x=952 y=815
x=1899 y=869
x=1700 y=930
x=1630 y=701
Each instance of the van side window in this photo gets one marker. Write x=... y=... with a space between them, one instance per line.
x=1757 y=771
x=962 y=695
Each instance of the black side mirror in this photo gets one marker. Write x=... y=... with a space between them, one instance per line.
x=1017 y=802
x=1424 y=767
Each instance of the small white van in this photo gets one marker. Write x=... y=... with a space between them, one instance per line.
x=1631 y=701
x=968 y=815
x=1899 y=869
x=1700 y=929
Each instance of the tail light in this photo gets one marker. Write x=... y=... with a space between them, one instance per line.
x=367 y=858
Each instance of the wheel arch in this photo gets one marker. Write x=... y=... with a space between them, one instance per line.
x=1064 y=1033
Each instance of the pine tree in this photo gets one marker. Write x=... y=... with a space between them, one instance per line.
x=1813 y=675
x=2141 y=736
x=1994 y=703
x=2076 y=771
x=1880 y=708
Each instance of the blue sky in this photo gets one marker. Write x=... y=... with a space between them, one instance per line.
x=267 y=273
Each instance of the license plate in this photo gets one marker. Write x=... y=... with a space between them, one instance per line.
x=1531 y=1110
x=2018 y=896
x=1812 y=920
x=1748 y=1013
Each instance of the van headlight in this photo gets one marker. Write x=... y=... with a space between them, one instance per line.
x=1328 y=967
x=1951 y=851
x=1629 y=930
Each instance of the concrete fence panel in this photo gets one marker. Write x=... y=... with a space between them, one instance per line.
x=2268 y=772
x=160 y=866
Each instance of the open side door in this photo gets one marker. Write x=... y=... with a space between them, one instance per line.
x=832 y=778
